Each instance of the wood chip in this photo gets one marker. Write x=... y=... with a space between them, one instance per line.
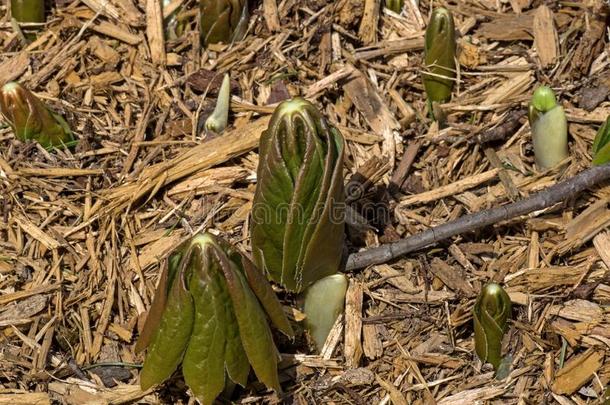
x=154 y=31
x=545 y=36
x=36 y=233
x=577 y=371
x=451 y=277
x=353 y=324
x=25 y=398
x=374 y=110
x=14 y=67
x=450 y=189
x=368 y=24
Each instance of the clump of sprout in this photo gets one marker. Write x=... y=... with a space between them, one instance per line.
x=298 y=210
x=210 y=315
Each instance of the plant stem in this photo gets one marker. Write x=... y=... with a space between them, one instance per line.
x=28 y=10
x=543 y=199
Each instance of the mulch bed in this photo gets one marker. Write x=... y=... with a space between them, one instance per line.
x=83 y=232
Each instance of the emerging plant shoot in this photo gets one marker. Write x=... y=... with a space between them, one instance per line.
x=549 y=128
x=298 y=213
x=439 y=55
x=31 y=119
x=28 y=11
x=394 y=5
x=491 y=313
x=209 y=313
x=31 y=11
x=217 y=121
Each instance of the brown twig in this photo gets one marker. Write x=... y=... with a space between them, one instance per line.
x=543 y=199
x=400 y=174
x=507 y=128
x=508 y=184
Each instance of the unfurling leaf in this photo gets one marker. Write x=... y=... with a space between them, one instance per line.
x=439 y=55
x=171 y=337
x=549 y=128
x=298 y=207
x=31 y=119
x=601 y=144
x=223 y=20
x=209 y=313
x=491 y=313
x=31 y=11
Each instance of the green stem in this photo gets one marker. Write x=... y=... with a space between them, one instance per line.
x=28 y=10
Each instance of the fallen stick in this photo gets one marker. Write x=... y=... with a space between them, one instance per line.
x=543 y=199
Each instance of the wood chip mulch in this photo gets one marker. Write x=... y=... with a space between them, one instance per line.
x=83 y=232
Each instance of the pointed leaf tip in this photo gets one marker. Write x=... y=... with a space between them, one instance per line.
x=31 y=119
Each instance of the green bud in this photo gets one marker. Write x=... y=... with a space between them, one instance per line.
x=549 y=127
x=394 y=5
x=439 y=55
x=491 y=313
x=31 y=119
x=298 y=207
x=210 y=314
x=324 y=302
x=543 y=100
x=601 y=148
x=223 y=20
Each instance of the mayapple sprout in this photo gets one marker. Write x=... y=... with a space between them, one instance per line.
x=298 y=208
x=297 y=213
x=549 y=128
x=394 y=5
x=601 y=146
x=31 y=119
x=223 y=20
x=217 y=121
x=491 y=313
x=210 y=315
x=439 y=56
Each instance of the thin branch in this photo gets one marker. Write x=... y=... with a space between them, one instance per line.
x=506 y=129
x=543 y=199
